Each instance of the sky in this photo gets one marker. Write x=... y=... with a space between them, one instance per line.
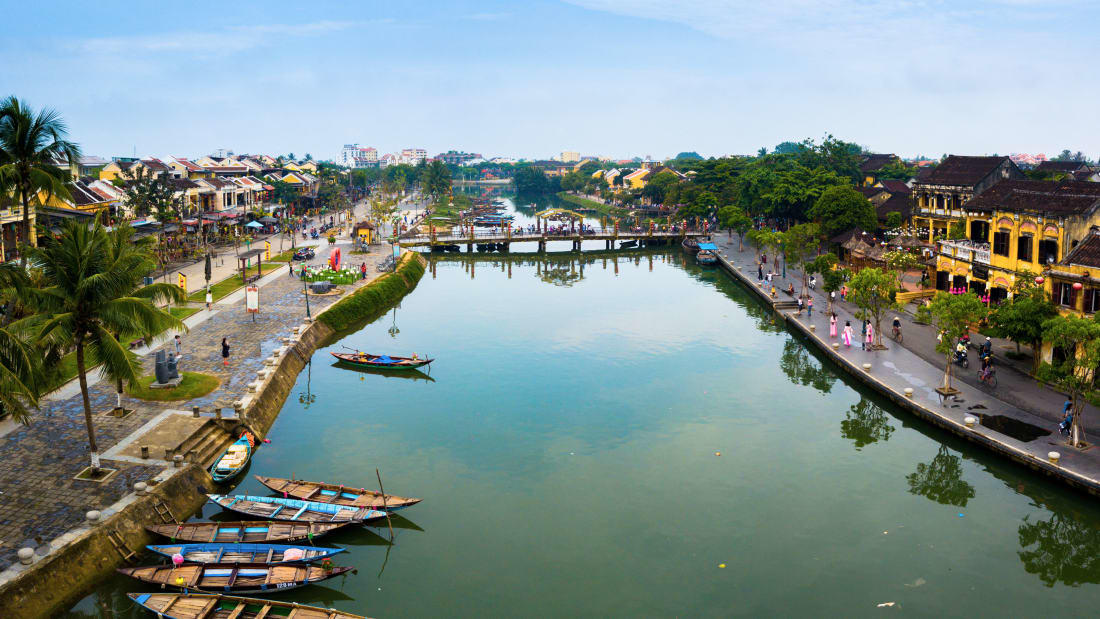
x=615 y=78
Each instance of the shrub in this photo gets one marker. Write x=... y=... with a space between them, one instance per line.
x=377 y=297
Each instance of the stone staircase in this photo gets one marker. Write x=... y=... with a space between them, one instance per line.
x=207 y=442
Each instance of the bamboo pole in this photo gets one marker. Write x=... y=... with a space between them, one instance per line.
x=384 y=506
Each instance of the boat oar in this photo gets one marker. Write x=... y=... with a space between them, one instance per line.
x=384 y=506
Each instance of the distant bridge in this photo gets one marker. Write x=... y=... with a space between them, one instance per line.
x=502 y=239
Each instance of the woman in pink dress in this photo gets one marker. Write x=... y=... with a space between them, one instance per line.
x=832 y=325
x=848 y=333
x=870 y=334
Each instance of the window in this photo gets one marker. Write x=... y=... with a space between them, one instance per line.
x=1000 y=243
x=979 y=231
x=1064 y=295
x=1023 y=249
x=1092 y=300
x=981 y=271
x=942 y=279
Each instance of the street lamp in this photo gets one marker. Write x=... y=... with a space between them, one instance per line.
x=305 y=291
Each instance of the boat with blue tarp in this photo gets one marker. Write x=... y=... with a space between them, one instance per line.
x=381 y=362
x=244 y=553
x=707 y=254
x=278 y=508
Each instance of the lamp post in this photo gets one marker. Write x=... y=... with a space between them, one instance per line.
x=305 y=291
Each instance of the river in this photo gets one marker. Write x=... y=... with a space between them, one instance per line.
x=634 y=436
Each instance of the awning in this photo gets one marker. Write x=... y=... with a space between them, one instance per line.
x=191 y=222
x=254 y=224
x=267 y=219
x=709 y=246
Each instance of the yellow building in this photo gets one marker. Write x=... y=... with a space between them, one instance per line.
x=940 y=194
x=11 y=229
x=116 y=169
x=307 y=166
x=1017 y=229
x=636 y=179
x=871 y=165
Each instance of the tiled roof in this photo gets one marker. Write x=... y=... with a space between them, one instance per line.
x=183 y=184
x=1046 y=197
x=963 y=171
x=221 y=169
x=82 y=195
x=876 y=161
x=156 y=165
x=870 y=192
x=899 y=202
x=190 y=165
x=1060 y=166
x=895 y=186
x=1087 y=252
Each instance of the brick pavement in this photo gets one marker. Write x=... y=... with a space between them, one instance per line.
x=40 y=498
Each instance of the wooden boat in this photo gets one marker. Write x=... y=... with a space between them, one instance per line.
x=708 y=253
x=625 y=244
x=690 y=245
x=334 y=493
x=240 y=532
x=233 y=577
x=233 y=461
x=277 y=508
x=207 y=606
x=381 y=362
x=245 y=553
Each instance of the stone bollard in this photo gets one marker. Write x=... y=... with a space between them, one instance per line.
x=238 y=406
x=1054 y=457
x=218 y=413
x=813 y=328
x=26 y=555
x=296 y=329
x=93 y=516
x=195 y=412
x=192 y=456
x=168 y=453
x=145 y=452
x=970 y=421
x=141 y=488
x=867 y=367
x=177 y=461
x=836 y=345
x=908 y=392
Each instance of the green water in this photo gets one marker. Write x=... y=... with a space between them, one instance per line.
x=565 y=448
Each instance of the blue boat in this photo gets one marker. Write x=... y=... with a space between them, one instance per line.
x=707 y=254
x=244 y=553
x=277 y=508
x=233 y=461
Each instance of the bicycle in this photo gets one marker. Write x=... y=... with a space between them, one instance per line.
x=897 y=335
x=987 y=379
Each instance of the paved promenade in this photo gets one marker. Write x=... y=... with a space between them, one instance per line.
x=899 y=367
x=40 y=498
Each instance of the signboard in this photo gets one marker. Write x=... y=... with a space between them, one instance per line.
x=252 y=299
x=267 y=250
x=396 y=252
x=182 y=282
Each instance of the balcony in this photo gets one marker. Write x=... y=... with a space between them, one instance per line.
x=970 y=251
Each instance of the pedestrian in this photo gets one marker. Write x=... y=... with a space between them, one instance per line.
x=1067 y=418
x=760 y=272
x=225 y=352
x=362 y=270
x=290 y=266
x=863 y=335
x=844 y=293
x=209 y=297
x=832 y=297
x=832 y=325
x=870 y=336
x=179 y=346
x=799 y=306
x=848 y=333
x=810 y=306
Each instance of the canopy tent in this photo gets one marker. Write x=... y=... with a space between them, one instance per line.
x=708 y=246
x=267 y=219
x=254 y=224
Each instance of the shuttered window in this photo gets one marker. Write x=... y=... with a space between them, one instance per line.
x=1024 y=249
x=1000 y=243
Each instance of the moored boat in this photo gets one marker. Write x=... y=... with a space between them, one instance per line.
x=245 y=553
x=708 y=253
x=240 y=532
x=381 y=362
x=233 y=461
x=233 y=577
x=690 y=244
x=213 y=606
x=276 y=508
x=335 y=493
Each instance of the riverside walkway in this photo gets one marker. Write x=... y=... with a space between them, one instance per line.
x=41 y=500
x=1011 y=430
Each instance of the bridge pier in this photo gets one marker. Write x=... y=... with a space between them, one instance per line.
x=542 y=246
x=505 y=247
x=469 y=248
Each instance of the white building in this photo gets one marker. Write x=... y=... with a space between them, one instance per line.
x=352 y=156
x=570 y=156
x=413 y=156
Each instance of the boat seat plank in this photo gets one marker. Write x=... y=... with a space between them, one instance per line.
x=263 y=612
x=206 y=608
x=300 y=512
x=270 y=553
x=233 y=575
x=236 y=612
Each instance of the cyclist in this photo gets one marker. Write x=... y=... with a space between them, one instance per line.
x=897 y=327
x=987 y=367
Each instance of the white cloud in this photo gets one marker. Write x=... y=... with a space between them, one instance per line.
x=229 y=40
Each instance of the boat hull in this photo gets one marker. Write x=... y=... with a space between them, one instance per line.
x=245 y=532
x=221 y=471
x=244 y=553
x=364 y=361
x=333 y=493
x=296 y=510
x=232 y=577
x=196 y=605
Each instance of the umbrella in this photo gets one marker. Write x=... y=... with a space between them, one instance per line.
x=267 y=219
x=254 y=224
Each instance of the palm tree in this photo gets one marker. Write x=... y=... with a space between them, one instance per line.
x=20 y=374
x=31 y=146
x=88 y=299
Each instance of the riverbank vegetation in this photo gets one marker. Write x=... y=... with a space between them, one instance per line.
x=375 y=298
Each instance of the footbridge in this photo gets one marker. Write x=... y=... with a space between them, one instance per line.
x=501 y=240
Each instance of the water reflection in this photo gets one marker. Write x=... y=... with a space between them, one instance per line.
x=558 y=274
x=1063 y=548
x=941 y=480
x=798 y=365
x=865 y=423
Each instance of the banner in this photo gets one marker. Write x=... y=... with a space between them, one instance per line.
x=267 y=250
x=252 y=299
x=182 y=282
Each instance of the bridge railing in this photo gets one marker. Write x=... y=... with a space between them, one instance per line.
x=518 y=235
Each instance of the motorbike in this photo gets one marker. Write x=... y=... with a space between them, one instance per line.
x=961 y=360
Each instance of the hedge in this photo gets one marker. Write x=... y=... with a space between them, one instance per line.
x=377 y=297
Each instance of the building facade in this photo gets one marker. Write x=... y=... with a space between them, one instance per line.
x=940 y=194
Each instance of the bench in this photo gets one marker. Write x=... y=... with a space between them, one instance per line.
x=138 y=343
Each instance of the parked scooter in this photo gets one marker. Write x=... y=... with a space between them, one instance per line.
x=960 y=359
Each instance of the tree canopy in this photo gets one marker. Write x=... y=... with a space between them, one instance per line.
x=842 y=208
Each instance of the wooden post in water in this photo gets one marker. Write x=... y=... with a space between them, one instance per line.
x=384 y=506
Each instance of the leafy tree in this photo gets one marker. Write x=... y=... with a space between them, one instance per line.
x=436 y=179
x=733 y=218
x=893 y=220
x=941 y=480
x=1021 y=318
x=155 y=196
x=765 y=239
x=956 y=231
x=800 y=247
x=530 y=180
x=896 y=170
x=1077 y=374
x=702 y=207
x=88 y=297
x=689 y=155
x=952 y=315
x=30 y=146
x=833 y=280
x=795 y=190
x=285 y=193
x=20 y=366
x=659 y=188
x=874 y=291
x=842 y=208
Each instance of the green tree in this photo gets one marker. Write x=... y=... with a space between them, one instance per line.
x=893 y=220
x=732 y=218
x=436 y=179
x=87 y=298
x=833 y=280
x=896 y=170
x=1077 y=374
x=941 y=480
x=956 y=231
x=31 y=145
x=20 y=366
x=1021 y=318
x=530 y=180
x=155 y=196
x=842 y=208
x=952 y=315
x=874 y=291
x=765 y=239
x=800 y=247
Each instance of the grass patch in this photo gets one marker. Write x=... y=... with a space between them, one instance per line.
x=377 y=296
x=181 y=313
x=229 y=285
x=193 y=385
x=286 y=256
